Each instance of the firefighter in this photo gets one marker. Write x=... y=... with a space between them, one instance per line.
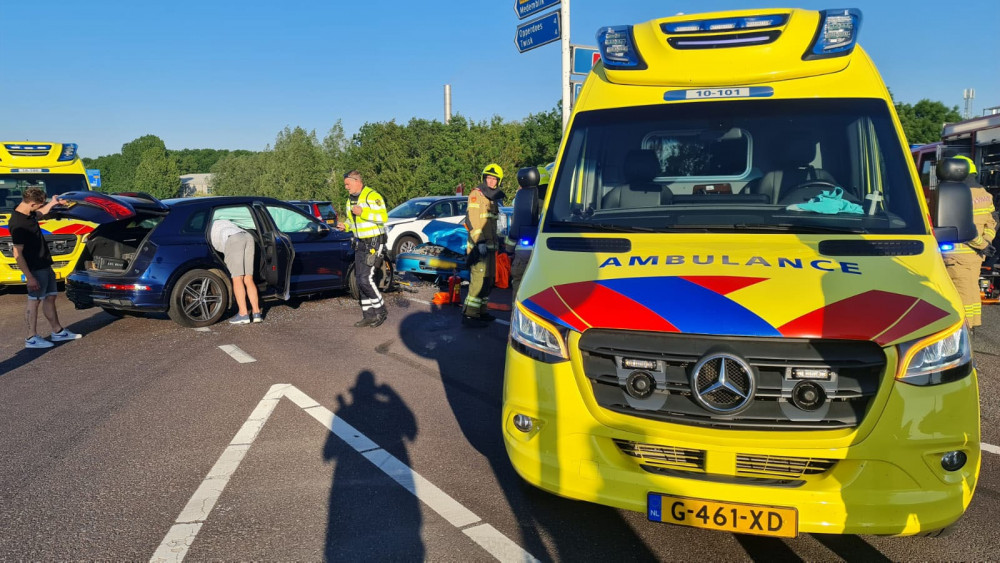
x=366 y=217
x=966 y=259
x=481 y=248
x=521 y=253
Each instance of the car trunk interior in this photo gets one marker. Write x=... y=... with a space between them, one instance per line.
x=112 y=247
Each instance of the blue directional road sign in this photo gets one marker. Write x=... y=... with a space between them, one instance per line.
x=94 y=177
x=538 y=32
x=584 y=58
x=525 y=8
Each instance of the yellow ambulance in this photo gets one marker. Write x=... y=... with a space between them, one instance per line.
x=56 y=168
x=736 y=315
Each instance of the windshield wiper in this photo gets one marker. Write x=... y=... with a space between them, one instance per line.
x=602 y=227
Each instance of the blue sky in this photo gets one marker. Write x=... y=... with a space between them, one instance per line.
x=230 y=75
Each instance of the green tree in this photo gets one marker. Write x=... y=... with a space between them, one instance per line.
x=922 y=121
x=296 y=168
x=541 y=135
x=157 y=174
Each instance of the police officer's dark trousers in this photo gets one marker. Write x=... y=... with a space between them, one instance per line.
x=367 y=259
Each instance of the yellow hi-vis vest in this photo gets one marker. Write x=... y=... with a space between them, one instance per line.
x=371 y=222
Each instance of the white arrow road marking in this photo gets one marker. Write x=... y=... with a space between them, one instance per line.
x=237 y=354
x=182 y=534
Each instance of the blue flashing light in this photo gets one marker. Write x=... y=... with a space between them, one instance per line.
x=618 y=50
x=725 y=24
x=526 y=242
x=68 y=152
x=837 y=33
x=947 y=247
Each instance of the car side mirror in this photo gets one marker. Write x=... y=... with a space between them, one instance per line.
x=322 y=228
x=953 y=222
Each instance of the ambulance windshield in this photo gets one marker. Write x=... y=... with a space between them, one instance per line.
x=799 y=166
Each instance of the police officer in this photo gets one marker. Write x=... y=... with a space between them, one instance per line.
x=481 y=248
x=366 y=217
x=522 y=252
x=965 y=260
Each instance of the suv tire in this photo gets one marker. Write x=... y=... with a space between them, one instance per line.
x=199 y=298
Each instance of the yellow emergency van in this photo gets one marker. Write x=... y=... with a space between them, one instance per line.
x=736 y=315
x=56 y=168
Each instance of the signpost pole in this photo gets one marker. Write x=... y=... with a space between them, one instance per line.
x=566 y=65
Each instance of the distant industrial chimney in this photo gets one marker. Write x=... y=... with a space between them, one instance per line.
x=447 y=104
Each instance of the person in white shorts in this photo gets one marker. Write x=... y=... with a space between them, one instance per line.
x=237 y=248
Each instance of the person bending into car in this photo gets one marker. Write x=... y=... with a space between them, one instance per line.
x=237 y=247
x=31 y=253
x=366 y=218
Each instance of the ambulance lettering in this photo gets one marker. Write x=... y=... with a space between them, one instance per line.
x=821 y=264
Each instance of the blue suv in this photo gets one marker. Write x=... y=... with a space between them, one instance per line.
x=150 y=256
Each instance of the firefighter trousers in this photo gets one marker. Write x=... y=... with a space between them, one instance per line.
x=964 y=270
x=482 y=273
x=367 y=259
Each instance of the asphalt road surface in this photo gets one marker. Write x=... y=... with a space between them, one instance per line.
x=145 y=440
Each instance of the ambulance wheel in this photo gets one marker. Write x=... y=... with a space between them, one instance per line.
x=199 y=298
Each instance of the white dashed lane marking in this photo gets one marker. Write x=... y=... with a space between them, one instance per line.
x=989 y=448
x=182 y=534
x=237 y=354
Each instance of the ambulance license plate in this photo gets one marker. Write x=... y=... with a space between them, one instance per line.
x=723 y=516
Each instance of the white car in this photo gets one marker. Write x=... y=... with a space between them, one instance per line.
x=407 y=220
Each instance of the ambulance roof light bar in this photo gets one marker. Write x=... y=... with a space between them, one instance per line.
x=68 y=152
x=836 y=34
x=618 y=51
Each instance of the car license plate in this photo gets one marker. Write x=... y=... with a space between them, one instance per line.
x=724 y=516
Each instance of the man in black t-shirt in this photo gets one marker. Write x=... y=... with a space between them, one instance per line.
x=32 y=256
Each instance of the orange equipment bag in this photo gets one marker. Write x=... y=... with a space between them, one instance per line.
x=503 y=270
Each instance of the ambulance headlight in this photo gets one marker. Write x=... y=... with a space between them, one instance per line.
x=836 y=35
x=942 y=358
x=537 y=340
x=618 y=50
x=68 y=152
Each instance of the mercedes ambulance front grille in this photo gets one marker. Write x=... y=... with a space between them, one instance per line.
x=664 y=456
x=853 y=371
x=780 y=466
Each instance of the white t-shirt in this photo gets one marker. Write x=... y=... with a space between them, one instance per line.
x=222 y=229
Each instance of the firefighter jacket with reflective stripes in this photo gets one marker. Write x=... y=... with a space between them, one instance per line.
x=481 y=220
x=371 y=222
x=986 y=223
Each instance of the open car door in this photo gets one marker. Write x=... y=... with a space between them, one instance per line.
x=277 y=253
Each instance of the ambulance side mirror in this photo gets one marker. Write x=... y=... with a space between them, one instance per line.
x=953 y=221
x=524 y=222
